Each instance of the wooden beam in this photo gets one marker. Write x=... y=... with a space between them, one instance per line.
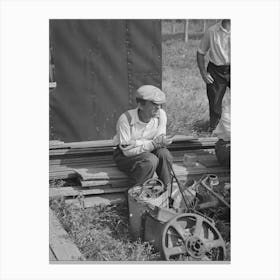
x=113 y=183
x=105 y=144
x=113 y=174
x=97 y=173
x=104 y=171
x=61 y=245
x=74 y=191
x=106 y=199
x=51 y=255
x=186 y=30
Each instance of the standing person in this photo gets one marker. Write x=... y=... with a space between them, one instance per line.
x=215 y=42
x=222 y=131
x=141 y=138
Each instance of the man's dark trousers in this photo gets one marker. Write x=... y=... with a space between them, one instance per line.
x=142 y=167
x=216 y=91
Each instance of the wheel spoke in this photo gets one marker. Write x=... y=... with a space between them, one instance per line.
x=191 y=236
x=178 y=228
x=173 y=251
x=198 y=226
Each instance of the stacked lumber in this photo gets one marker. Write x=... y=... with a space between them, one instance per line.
x=65 y=158
x=103 y=146
x=100 y=181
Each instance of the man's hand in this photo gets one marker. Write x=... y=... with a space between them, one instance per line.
x=129 y=145
x=207 y=78
x=161 y=141
x=168 y=140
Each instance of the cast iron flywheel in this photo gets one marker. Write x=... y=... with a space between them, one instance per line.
x=191 y=237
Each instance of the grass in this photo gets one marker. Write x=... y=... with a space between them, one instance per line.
x=101 y=233
x=187 y=104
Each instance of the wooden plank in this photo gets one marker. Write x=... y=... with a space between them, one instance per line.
x=97 y=173
x=177 y=139
x=62 y=176
x=61 y=168
x=208 y=161
x=89 y=150
x=109 y=161
x=113 y=173
x=106 y=146
x=74 y=191
x=96 y=165
x=192 y=143
x=78 y=160
x=54 y=143
x=179 y=169
x=123 y=182
x=60 y=242
x=65 y=173
x=51 y=255
x=186 y=30
x=106 y=199
x=87 y=144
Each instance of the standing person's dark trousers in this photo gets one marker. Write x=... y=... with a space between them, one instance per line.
x=142 y=167
x=216 y=91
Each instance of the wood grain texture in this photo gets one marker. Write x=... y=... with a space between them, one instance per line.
x=51 y=255
x=60 y=242
x=105 y=199
x=76 y=191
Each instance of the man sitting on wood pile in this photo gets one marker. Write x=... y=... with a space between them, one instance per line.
x=141 y=138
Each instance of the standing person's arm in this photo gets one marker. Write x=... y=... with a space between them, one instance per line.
x=202 y=50
x=207 y=78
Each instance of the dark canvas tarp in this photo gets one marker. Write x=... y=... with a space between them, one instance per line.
x=98 y=66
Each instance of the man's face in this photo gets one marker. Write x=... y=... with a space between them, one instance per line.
x=150 y=109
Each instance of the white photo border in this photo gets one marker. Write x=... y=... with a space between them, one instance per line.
x=24 y=137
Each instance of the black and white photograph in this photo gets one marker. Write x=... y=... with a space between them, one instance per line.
x=139 y=140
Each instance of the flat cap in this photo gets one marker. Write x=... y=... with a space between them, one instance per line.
x=152 y=93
